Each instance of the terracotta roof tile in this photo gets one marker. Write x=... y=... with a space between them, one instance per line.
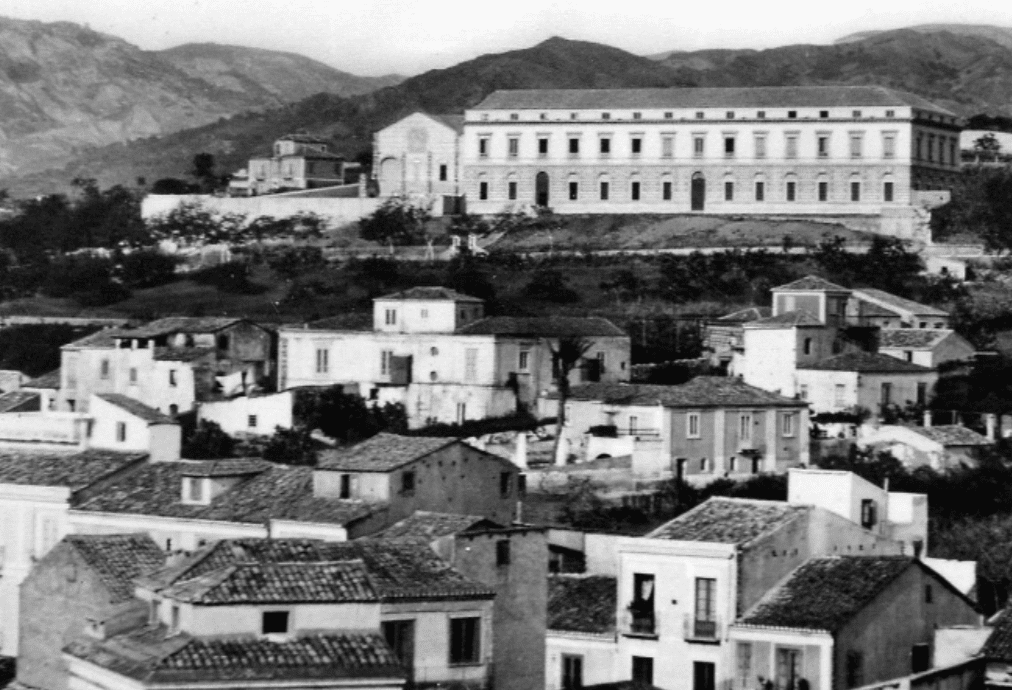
x=277 y=583
x=812 y=283
x=118 y=559
x=427 y=525
x=72 y=470
x=825 y=593
x=911 y=338
x=729 y=521
x=454 y=122
x=430 y=293
x=998 y=646
x=136 y=408
x=181 y=354
x=890 y=300
x=869 y=362
x=181 y=324
x=543 y=326
x=382 y=453
x=104 y=339
x=21 y=401
x=787 y=318
x=952 y=435
x=230 y=467
x=582 y=604
x=746 y=315
x=702 y=391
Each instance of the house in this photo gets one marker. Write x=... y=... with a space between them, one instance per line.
x=436 y=620
x=433 y=350
x=774 y=347
x=419 y=155
x=845 y=622
x=813 y=150
x=997 y=651
x=713 y=426
x=47 y=387
x=299 y=161
x=126 y=425
x=929 y=347
x=870 y=307
x=581 y=643
x=939 y=447
x=723 y=337
x=817 y=297
x=84 y=582
x=409 y=473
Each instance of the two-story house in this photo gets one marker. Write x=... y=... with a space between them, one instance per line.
x=711 y=425
x=432 y=350
x=298 y=161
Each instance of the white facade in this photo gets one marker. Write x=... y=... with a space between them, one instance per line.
x=598 y=657
x=830 y=390
x=418 y=155
x=424 y=316
x=260 y=415
x=114 y=428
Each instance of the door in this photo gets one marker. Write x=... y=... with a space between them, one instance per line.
x=698 y=192
x=400 y=635
x=703 y=675
x=541 y=189
x=390 y=179
x=788 y=667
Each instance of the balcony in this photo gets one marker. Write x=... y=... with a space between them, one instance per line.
x=700 y=630
x=639 y=622
x=637 y=431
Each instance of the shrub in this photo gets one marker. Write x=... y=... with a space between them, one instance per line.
x=550 y=285
x=397 y=220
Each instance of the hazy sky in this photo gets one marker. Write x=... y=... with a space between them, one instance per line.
x=373 y=37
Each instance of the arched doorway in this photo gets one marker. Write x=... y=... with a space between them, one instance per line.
x=390 y=179
x=698 y=192
x=541 y=189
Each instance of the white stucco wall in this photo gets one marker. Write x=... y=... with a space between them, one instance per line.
x=233 y=416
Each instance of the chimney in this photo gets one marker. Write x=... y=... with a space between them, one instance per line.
x=927 y=419
x=520 y=454
x=991 y=420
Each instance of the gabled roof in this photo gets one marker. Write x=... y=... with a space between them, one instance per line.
x=543 y=326
x=702 y=391
x=729 y=521
x=746 y=315
x=104 y=339
x=998 y=646
x=788 y=318
x=696 y=97
x=156 y=655
x=423 y=524
x=231 y=467
x=136 y=408
x=181 y=354
x=826 y=593
x=302 y=138
x=454 y=122
x=49 y=380
x=20 y=401
x=582 y=604
x=277 y=583
x=952 y=435
x=383 y=452
x=811 y=283
x=430 y=293
x=118 y=559
x=181 y=324
x=72 y=470
x=886 y=299
x=867 y=362
x=912 y=338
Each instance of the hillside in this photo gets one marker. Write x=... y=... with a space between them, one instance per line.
x=999 y=34
x=65 y=88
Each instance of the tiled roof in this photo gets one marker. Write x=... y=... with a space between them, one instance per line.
x=281 y=492
x=136 y=408
x=153 y=655
x=543 y=326
x=423 y=524
x=303 y=138
x=351 y=321
x=952 y=435
x=695 y=97
x=826 y=593
x=238 y=467
x=746 y=315
x=868 y=362
x=454 y=122
x=998 y=646
x=431 y=293
x=181 y=354
x=911 y=338
x=898 y=302
x=118 y=559
x=49 y=380
x=812 y=283
x=382 y=453
x=702 y=391
x=397 y=569
x=104 y=339
x=788 y=318
x=181 y=324
x=582 y=604
x=277 y=583
x=20 y=401
x=74 y=471
x=729 y=521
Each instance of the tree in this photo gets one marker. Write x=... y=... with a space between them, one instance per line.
x=203 y=171
x=347 y=417
x=566 y=354
x=981 y=205
x=292 y=446
x=550 y=285
x=986 y=146
x=397 y=221
x=207 y=442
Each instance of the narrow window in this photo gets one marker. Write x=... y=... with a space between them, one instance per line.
x=605 y=146
x=667 y=147
x=105 y=368
x=887 y=191
x=854 y=669
x=803 y=391
x=869 y=513
x=465 y=640
x=634 y=191
x=839 y=395
x=175 y=619
x=483 y=191
x=922 y=393
x=637 y=146
x=823 y=146
x=887 y=393
x=604 y=191
x=791 y=191
x=745 y=427
x=511 y=190
x=855 y=191
x=400 y=636
x=760 y=147
x=572 y=672
x=823 y=191
x=856 y=149
x=792 y=147
x=323 y=355
x=274 y=623
x=442 y=173
x=543 y=146
x=524 y=360
x=385 y=357
x=698 y=144
x=461 y=413
x=574 y=146
x=574 y=191
x=929 y=595
x=728 y=147
x=729 y=191
x=121 y=431
x=514 y=147
x=505 y=484
x=483 y=146
x=788 y=429
x=502 y=552
x=760 y=191
x=407 y=482
x=133 y=374
x=889 y=146
x=251 y=421
x=692 y=430
x=345 y=486
x=666 y=190
x=172 y=377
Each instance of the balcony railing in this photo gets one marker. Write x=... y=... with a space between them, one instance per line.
x=636 y=621
x=702 y=630
x=637 y=431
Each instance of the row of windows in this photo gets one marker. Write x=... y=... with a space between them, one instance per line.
x=731 y=115
x=760 y=188
x=788 y=424
x=885 y=393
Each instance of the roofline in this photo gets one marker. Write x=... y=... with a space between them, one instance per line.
x=423 y=455
x=948 y=585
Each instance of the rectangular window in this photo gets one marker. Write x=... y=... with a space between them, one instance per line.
x=887 y=393
x=854 y=669
x=195 y=489
x=803 y=392
x=855 y=191
x=887 y=191
x=471 y=364
x=823 y=114
x=729 y=147
x=706 y=606
x=743 y=665
x=251 y=421
x=791 y=190
x=604 y=191
x=105 y=368
x=605 y=116
x=692 y=425
x=461 y=413
x=920 y=657
x=637 y=146
x=322 y=361
x=856 y=145
x=385 y=357
x=574 y=146
x=745 y=427
x=634 y=424
x=542 y=146
x=643 y=670
x=869 y=513
x=133 y=374
x=274 y=623
x=761 y=115
x=483 y=146
x=729 y=115
x=729 y=191
x=704 y=675
x=698 y=144
x=345 y=486
x=889 y=146
x=121 y=431
x=922 y=393
x=792 y=114
x=574 y=191
x=792 y=146
x=408 y=482
x=572 y=672
x=465 y=640
x=823 y=146
x=502 y=552
x=172 y=377
x=483 y=191
x=667 y=147
x=760 y=147
x=700 y=115
x=666 y=190
x=442 y=173
x=174 y=623
x=929 y=595
x=637 y=116
x=823 y=191
x=400 y=636
x=760 y=191
x=634 y=191
x=788 y=426
x=839 y=395
x=511 y=190
x=505 y=484
x=524 y=362
x=605 y=146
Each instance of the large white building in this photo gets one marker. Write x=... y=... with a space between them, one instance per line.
x=813 y=150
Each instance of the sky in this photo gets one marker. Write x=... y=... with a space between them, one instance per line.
x=374 y=37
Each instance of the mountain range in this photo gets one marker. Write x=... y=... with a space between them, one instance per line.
x=965 y=68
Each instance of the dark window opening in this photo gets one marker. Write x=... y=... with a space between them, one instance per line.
x=505 y=484
x=345 y=486
x=465 y=640
x=643 y=670
x=442 y=173
x=407 y=482
x=274 y=622
x=572 y=672
x=502 y=552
